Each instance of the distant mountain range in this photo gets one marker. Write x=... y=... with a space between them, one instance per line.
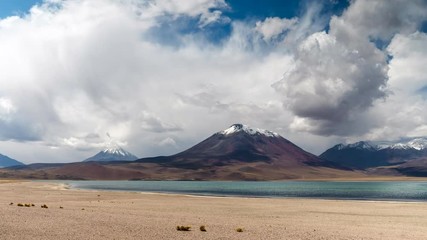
x=6 y=161
x=236 y=153
x=243 y=153
x=405 y=157
x=112 y=153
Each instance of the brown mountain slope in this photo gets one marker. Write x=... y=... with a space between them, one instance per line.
x=242 y=144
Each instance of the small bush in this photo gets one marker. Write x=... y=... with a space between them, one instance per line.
x=44 y=206
x=20 y=205
x=203 y=228
x=239 y=230
x=27 y=205
x=32 y=205
x=61 y=207
x=183 y=228
x=11 y=203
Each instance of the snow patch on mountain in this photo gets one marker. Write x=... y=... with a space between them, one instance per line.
x=113 y=152
x=113 y=148
x=415 y=143
x=245 y=128
x=359 y=145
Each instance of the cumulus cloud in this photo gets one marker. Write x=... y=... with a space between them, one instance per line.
x=340 y=74
x=379 y=19
x=274 y=34
x=409 y=58
x=208 y=11
x=407 y=67
x=272 y=27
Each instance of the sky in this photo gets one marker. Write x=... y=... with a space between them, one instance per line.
x=158 y=76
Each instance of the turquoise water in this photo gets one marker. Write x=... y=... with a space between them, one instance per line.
x=400 y=191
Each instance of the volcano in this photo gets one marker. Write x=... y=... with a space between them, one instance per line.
x=113 y=152
x=242 y=152
x=241 y=143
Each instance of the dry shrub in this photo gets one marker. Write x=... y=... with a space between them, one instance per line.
x=203 y=228
x=183 y=228
x=239 y=229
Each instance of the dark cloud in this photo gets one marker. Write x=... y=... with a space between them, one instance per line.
x=340 y=74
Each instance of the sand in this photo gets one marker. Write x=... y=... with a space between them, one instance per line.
x=129 y=215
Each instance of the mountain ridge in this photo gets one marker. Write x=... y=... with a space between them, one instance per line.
x=6 y=161
x=365 y=154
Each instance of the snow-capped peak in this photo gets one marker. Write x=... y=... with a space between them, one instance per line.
x=252 y=131
x=114 y=148
x=112 y=152
x=415 y=143
x=418 y=143
x=359 y=145
x=117 y=151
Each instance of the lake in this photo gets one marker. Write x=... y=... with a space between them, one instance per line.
x=398 y=191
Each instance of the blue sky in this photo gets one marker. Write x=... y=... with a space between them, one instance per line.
x=240 y=9
x=13 y=7
x=160 y=78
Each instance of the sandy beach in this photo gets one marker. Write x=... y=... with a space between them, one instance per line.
x=130 y=215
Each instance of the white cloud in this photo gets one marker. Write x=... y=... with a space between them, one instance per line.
x=403 y=113
x=272 y=27
x=310 y=22
x=152 y=123
x=409 y=54
x=380 y=19
x=168 y=142
x=6 y=109
x=208 y=11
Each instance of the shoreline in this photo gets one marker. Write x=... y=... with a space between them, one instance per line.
x=338 y=179
x=249 y=196
x=93 y=214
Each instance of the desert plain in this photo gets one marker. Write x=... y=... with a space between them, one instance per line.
x=90 y=214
